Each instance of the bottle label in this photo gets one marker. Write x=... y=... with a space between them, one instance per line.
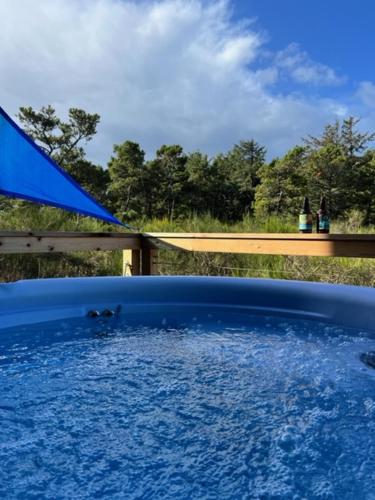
x=323 y=223
x=305 y=222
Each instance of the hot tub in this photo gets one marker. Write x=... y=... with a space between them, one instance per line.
x=168 y=387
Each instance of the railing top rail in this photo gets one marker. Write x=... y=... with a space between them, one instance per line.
x=51 y=241
x=225 y=236
x=329 y=245
x=66 y=234
x=263 y=236
x=324 y=245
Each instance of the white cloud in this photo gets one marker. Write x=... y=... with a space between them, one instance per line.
x=298 y=66
x=366 y=93
x=167 y=71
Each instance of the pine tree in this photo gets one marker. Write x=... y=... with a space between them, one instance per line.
x=127 y=174
x=283 y=185
x=169 y=169
x=246 y=159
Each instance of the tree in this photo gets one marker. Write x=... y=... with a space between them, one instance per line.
x=335 y=163
x=225 y=195
x=60 y=140
x=93 y=178
x=352 y=141
x=326 y=176
x=331 y=136
x=170 y=177
x=362 y=197
x=245 y=160
x=200 y=182
x=283 y=184
x=127 y=175
x=63 y=142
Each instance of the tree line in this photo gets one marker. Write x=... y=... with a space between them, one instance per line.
x=339 y=164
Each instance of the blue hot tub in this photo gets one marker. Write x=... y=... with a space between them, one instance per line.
x=167 y=387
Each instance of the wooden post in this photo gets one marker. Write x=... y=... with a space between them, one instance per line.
x=149 y=262
x=131 y=262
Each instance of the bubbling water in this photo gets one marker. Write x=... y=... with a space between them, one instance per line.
x=194 y=407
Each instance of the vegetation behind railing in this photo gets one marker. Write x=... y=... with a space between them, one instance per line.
x=93 y=263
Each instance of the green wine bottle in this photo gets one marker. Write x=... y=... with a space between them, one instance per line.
x=322 y=218
x=305 y=218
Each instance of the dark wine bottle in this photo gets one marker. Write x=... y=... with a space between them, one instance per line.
x=305 y=218
x=322 y=218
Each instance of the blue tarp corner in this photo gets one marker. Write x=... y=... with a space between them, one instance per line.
x=27 y=172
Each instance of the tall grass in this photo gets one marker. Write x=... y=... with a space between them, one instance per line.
x=325 y=269
x=29 y=217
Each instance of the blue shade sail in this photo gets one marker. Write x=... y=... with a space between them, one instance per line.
x=27 y=172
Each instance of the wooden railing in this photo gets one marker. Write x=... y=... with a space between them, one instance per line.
x=140 y=249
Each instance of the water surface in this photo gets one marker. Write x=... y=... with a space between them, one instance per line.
x=211 y=408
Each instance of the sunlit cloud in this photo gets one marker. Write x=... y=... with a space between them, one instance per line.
x=168 y=71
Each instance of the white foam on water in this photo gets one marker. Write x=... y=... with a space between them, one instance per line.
x=208 y=408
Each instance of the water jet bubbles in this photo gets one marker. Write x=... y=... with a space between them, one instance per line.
x=102 y=334
x=252 y=398
x=369 y=405
x=288 y=438
x=322 y=488
x=363 y=334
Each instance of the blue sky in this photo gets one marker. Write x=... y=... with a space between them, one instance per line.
x=203 y=74
x=338 y=33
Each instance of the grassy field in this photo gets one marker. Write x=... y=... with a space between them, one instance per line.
x=30 y=217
